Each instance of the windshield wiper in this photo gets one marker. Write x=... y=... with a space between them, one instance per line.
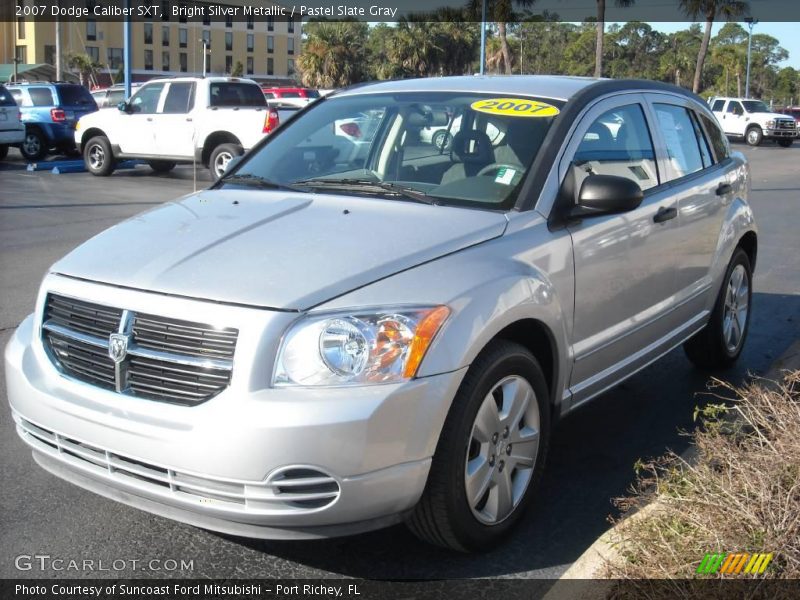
x=363 y=184
x=257 y=181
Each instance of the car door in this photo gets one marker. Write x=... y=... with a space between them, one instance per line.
x=734 y=119
x=135 y=129
x=624 y=263
x=174 y=122
x=704 y=183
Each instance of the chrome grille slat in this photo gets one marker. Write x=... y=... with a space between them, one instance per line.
x=166 y=359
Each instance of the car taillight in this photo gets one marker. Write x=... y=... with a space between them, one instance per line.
x=272 y=121
x=351 y=129
x=57 y=115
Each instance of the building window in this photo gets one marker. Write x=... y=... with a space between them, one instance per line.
x=148 y=33
x=270 y=23
x=114 y=58
x=291 y=45
x=22 y=54
x=270 y=44
x=91 y=29
x=184 y=60
x=249 y=65
x=93 y=52
x=290 y=67
x=228 y=21
x=165 y=35
x=250 y=42
x=291 y=25
x=250 y=21
x=270 y=66
x=228 y=63
x=21 y=28
x=148 y=60
x=165 y=60
x=183 y=36
x=228 y=41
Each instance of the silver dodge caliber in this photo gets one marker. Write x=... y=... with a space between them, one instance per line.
x=355 y=327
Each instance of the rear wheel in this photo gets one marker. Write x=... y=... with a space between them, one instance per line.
x=34 y=146
x=490 y=455
x=98 y=156
x=754 y=136
x=220 y=158
x=442 y=140
x=161 y=166
x=720 y=342
x=785 y=142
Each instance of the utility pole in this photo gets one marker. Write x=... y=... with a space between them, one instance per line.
x=751 y=22
x=205 y=51
x=59 y=74
x=126 y=51
x=483 y=38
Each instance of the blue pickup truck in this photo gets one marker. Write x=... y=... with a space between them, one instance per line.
x=50 y=112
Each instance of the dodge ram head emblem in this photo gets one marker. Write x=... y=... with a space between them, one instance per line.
x=117 y=346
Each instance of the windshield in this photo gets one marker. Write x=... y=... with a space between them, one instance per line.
x=444 y=148
x=755 y=106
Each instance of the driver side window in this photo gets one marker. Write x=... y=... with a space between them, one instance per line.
x=617 y=143
x=146 y=99
x=735 y=108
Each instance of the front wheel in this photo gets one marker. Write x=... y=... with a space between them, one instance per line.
x=720 y=342
x=220 y=158
x=490 y=455
x=754 y=136
x=98 y=156
x=785 y=142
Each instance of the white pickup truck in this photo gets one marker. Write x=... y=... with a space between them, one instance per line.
x=183 y=119
x=753 y=121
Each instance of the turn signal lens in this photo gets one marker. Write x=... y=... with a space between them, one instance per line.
x=427 y=329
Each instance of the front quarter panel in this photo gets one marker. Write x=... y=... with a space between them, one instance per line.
x=526 y=274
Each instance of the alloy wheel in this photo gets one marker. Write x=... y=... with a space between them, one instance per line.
x=734 y=319
x=221 y=163
x=97 y=156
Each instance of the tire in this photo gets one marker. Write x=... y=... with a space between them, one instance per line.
x=444 y=515
x=220 y=158
x=754 y=136
x=35 y=145
x=98 y=157
x=3 y=151
x=786 y=142
x=161 y=166
x=712 y=347
x=441 y=140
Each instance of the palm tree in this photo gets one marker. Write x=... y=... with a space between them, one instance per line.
x=710 y=10
x=334 y=53
x=601 y=27
x=501 y=12
x=84 y=65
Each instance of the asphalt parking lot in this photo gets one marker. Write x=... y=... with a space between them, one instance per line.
x=43 y=216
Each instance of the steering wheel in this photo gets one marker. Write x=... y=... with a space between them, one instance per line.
x=497 y=166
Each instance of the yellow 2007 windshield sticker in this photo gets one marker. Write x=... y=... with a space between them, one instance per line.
x=515 y=107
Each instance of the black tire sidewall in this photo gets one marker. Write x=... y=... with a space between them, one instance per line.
x=716 y=323
x=516 y=360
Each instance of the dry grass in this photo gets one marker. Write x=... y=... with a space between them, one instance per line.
x=740 y=494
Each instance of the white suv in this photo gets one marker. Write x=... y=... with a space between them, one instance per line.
x=753 y=121
x=186 y=119
x=12 y=129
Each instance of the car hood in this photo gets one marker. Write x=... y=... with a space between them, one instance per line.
x=274 y=249
x=773 y=116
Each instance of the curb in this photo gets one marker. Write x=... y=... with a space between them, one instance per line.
x=604 y=549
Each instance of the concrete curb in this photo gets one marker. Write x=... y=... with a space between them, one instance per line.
x=604 y=550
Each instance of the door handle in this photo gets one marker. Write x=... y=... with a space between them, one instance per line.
x=149 y=118
x=724 y=189
x=189 y=119
x=665 y=214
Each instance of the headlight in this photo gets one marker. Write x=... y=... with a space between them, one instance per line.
x=770 y=124
x=356 y=348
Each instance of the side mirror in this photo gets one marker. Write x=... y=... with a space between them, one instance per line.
x=607 y=194
x=123 y=107
x=232 y=164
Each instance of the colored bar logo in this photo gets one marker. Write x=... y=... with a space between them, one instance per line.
x=734 y=563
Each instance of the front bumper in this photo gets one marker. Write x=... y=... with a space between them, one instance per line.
x=218 y=464
x=780 y=133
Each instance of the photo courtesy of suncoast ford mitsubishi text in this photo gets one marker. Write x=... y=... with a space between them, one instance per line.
x=350 y=330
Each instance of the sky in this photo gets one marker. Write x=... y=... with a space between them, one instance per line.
x=785 y=33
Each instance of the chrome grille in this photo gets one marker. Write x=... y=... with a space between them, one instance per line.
x=786 y=124
x=169 y=360
x=289 y=490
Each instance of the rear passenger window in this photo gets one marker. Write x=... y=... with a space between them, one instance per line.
x=680 y=136
x=41 y=96
x=718 y=140
x=718 y=105
x=618 y=143
x=179 y=97
x=705 y=151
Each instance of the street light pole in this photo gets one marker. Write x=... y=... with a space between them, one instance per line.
x=751 y=22
x=126 y=51
x=483 y=38
x=204 y=57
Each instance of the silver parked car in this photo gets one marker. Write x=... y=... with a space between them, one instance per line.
x=325 y=343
